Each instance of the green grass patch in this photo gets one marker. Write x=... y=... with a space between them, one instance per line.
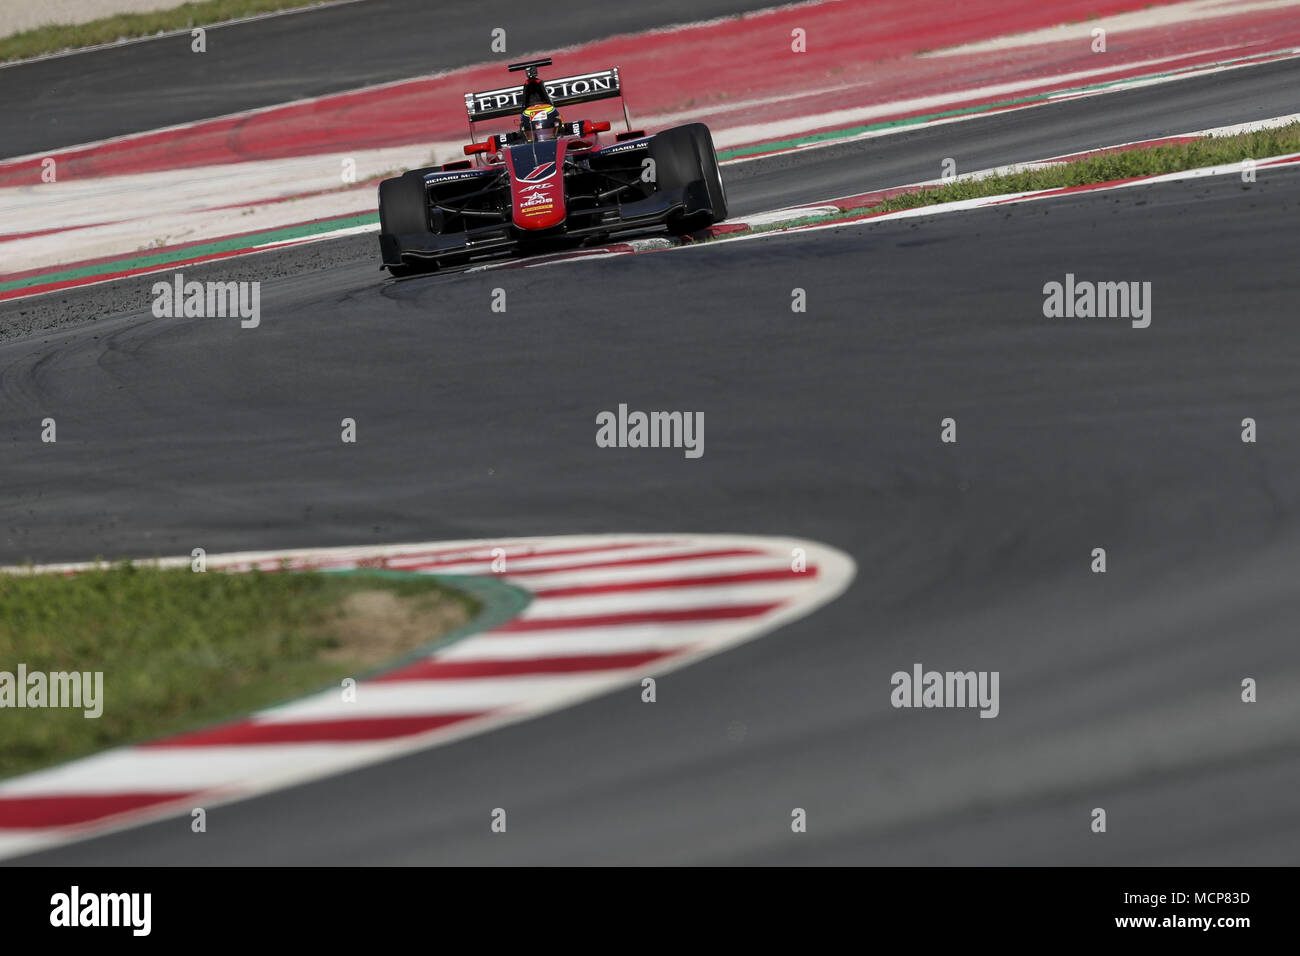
x=125 y=26
x=1125 y=164
x=179 y=650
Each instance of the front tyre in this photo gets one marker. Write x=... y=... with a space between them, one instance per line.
x=686 y=165
x=403 y=210
x=712 y=174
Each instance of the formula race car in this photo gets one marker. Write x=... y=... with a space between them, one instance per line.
x=550 y=183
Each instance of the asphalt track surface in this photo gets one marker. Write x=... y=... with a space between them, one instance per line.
x=1117 y=691
x=59 y=102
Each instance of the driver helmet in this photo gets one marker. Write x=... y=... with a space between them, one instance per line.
x=541 y=123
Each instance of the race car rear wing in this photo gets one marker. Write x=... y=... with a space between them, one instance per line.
x=509 y=101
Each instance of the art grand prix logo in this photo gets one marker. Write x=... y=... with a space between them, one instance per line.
x=536 y=195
